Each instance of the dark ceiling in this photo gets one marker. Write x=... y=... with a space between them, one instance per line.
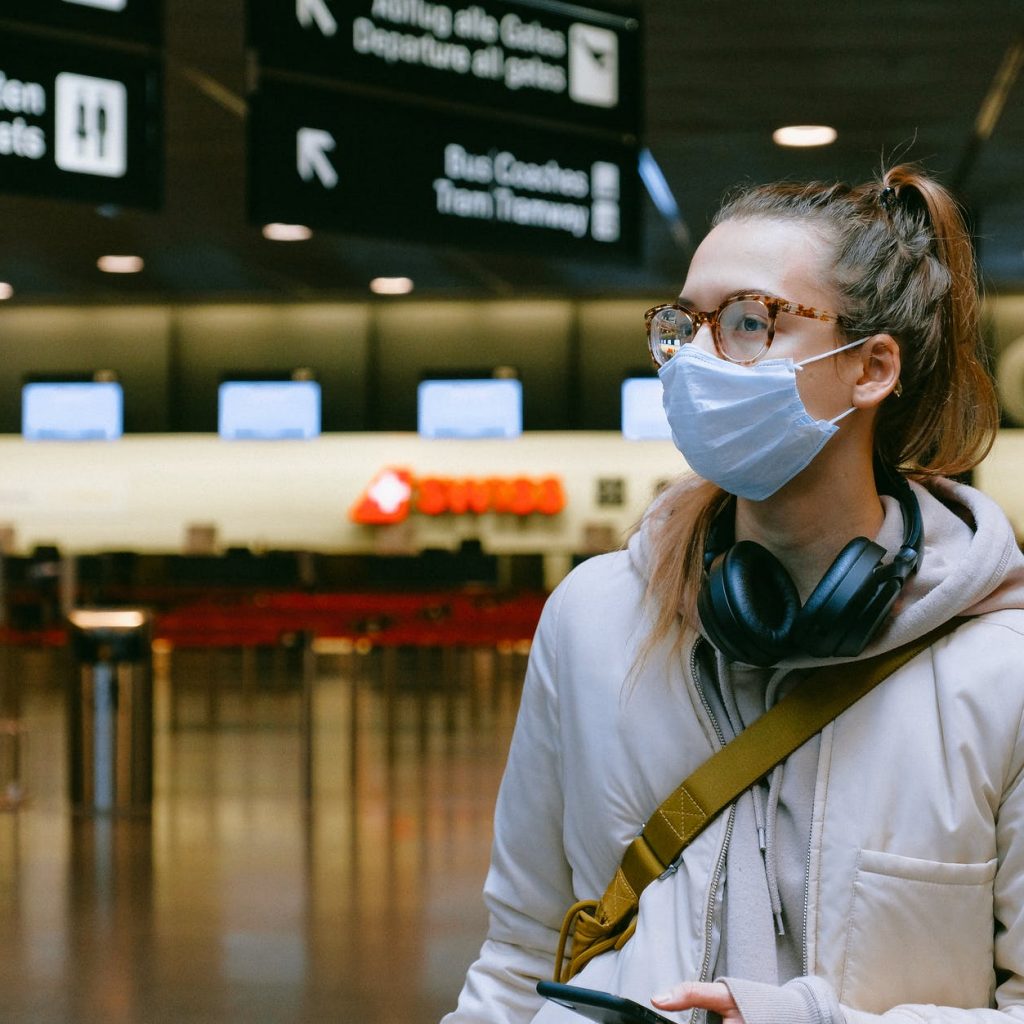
x=898 y=80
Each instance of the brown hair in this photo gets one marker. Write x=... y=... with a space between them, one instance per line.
x=903 y=265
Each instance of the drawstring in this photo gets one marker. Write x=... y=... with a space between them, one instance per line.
x=765 y=821
x=770 y=859
x=774 y=792
x=728 y=694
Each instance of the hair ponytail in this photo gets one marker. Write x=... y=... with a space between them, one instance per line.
x=950 y=422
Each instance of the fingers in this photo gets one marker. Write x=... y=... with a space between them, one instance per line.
x=712 y=996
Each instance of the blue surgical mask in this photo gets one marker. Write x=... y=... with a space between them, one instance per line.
x=744 y=428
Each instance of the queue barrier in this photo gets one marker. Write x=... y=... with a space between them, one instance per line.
x=453 y=637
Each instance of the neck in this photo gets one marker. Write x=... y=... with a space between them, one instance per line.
x=807 y=523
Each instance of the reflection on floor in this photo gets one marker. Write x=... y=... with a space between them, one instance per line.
x=238 y=899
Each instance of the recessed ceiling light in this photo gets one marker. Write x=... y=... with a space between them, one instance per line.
x=287 y=232
x=6 y=290
x=120 y=264
x=804 y=135
x=391 y=285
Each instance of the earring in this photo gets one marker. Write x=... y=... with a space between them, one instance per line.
x=898 y=390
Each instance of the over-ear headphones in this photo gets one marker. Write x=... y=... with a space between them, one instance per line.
x=750 y=609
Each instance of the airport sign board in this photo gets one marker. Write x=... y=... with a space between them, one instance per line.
x=559 y=61
x=79 y=123
x=327 y=159
x=132 y=20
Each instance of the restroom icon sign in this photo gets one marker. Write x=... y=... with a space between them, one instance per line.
x=593 y=65
x=91 y=125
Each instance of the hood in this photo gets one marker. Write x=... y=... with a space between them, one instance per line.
x=970 y=564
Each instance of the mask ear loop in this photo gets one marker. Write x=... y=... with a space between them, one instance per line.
x=825 y=355
x=842 y=415
x=831 y=352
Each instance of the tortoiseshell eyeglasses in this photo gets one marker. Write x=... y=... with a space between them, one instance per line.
x=743 y=327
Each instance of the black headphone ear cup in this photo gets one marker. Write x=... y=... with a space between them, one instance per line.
x=834 y=607
x=749 y=604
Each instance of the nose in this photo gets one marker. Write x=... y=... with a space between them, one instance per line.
x=704 y=339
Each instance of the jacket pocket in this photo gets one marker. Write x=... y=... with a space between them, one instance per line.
x=920 y=931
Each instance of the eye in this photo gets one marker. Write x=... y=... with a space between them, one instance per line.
x=751 y=324
x=745 y=316
x=744 y=326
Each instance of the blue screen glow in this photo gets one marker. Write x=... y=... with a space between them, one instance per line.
x=268 y=410
x=72 y=411
x=470 y=408
x=643 y=416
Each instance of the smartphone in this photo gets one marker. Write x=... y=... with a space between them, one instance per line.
x=603 y=1007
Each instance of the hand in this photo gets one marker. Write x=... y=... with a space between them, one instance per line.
x=711 y=995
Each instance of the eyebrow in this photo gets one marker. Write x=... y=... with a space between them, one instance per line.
x=766 y=292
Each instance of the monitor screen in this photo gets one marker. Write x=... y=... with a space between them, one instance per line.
x=268 y=410
x=488 y=407
x=643 y=417
x=86 y=410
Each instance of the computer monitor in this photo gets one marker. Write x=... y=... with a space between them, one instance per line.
x=643 y=416
x=470 y=407
x=268 y=410
x=72 y=410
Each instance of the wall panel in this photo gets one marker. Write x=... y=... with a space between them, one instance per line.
x=209 y=341
x=1005 y=322
x=133 y=340
x=612 y=345
x=413 y=337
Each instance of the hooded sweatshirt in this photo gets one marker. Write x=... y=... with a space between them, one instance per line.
x=755 y=901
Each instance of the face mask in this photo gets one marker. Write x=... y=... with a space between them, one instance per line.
x=744 y=428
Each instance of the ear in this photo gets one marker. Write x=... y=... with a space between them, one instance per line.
x=880 y=371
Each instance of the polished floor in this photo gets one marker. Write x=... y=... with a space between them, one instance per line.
x=294 y=868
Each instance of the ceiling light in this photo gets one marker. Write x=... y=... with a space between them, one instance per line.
x=120 y=264
x=657 y=187
x=6 y=290
x=391 y=285
x=104 y=618
x=804 y=135
x=287 y=232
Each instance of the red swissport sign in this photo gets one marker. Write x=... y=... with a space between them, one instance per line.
x=395 y=492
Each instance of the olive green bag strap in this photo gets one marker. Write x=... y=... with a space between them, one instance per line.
x=819 y=696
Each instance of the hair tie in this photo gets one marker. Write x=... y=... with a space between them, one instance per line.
x=887 y=198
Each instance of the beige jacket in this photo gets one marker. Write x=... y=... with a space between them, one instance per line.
x=915 y=864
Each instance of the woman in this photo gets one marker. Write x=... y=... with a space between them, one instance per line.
x=879 y=870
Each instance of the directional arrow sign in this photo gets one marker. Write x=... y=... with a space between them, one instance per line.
x=313 y=145
x=465 y=180
x=310 y=12
x=569 y=62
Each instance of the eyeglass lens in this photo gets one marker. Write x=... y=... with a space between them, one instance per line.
x=742 y=331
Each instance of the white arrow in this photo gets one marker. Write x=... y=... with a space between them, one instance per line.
x=309 y=11
x=313 y=145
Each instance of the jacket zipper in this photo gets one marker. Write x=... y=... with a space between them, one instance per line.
x=720 y=863
x=695 y=676
x=705 y=966
x=804 y=959
x=807 y=899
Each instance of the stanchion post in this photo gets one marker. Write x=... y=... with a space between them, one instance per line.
x=308 y=739
x=110 y=711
